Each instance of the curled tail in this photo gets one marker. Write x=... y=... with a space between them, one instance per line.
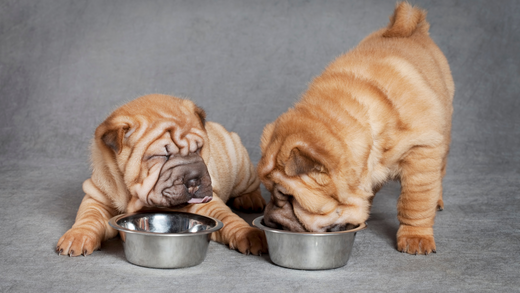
x=405 y=21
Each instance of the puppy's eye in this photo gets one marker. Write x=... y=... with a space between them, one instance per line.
x=284 y=196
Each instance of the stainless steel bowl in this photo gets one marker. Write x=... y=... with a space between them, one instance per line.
x=165 y=239
x=308 y=250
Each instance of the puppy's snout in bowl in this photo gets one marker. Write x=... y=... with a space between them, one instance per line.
x=309 y=250
x=339 y=227
x=280 y=215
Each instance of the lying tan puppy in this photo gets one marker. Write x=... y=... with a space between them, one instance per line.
x=158 y=151
x=381 y=111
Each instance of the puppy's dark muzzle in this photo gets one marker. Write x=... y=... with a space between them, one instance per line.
x=185 y=180
x=281 y=216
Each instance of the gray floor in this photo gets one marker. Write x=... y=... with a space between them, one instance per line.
x=65 y=65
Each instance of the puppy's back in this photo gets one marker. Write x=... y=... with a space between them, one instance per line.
x=407 y=37
x=230 y=167
x=404 y=63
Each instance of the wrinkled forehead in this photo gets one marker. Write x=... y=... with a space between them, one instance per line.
x=157 y=107
x=186 y=134
x=146 y=120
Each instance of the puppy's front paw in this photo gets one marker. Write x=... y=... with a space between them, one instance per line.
x=415 y=240
x=249 y=240
x=78 y=241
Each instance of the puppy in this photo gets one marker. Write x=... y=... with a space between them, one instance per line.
x=158 y=152
x=381 y=111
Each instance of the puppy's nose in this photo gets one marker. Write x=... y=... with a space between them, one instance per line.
x=192 y=185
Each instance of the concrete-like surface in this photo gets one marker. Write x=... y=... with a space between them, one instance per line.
x=65 y=65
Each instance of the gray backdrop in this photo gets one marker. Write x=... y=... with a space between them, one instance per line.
x=65 y=65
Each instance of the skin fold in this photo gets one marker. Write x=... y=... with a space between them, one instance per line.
x=381 y=111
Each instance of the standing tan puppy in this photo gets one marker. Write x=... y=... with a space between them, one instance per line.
x=381 y=111
x=158 y=152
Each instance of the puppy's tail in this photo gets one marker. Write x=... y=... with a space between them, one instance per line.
x=405 y=21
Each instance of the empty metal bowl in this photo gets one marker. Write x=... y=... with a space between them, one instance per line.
x=308 y=250
x=165 y=239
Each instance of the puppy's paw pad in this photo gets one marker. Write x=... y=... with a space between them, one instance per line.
x=77 y=242
x=250 y=241
x=252 y=202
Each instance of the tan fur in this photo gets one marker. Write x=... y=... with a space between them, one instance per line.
x=123 y=176
x=381 y=111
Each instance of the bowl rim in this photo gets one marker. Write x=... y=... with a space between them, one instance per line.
x=258 y=223
x=113 y=223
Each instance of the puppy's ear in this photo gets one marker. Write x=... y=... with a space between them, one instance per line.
x=202 y=115
x=300 y=162
x=113 y=136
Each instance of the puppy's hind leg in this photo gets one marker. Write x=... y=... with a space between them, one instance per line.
x=421 y=185
x=251 y=202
